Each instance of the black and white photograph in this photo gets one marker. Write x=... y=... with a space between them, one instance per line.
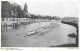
x=39 y=23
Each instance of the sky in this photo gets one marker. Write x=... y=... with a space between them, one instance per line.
x=59 y=8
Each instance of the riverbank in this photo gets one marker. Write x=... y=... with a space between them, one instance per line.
x=75 y=25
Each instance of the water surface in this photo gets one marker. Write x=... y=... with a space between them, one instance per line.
x=14 y=37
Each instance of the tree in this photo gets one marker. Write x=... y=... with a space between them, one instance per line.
x=20 y=12
x=14 y=10
x=25 y=7
x=25 y=10
x=5 y=9
x=17 y=11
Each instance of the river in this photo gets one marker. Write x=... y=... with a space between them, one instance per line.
x=58 y=35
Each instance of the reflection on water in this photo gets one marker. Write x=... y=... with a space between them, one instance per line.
x=29 y=27
x=10 y=28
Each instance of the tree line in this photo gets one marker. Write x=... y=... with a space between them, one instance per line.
x=12 y=10
x=33 y=16
x=15 y=11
